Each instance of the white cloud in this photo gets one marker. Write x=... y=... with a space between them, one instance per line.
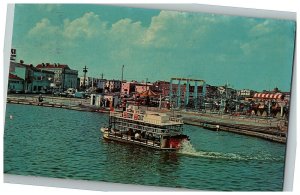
x=261 y=29
x=126 y=31
x=43 y=28
x=172 y=29
x=223 y=36
x=89 y=25
x=48 y=7
x=155 y=34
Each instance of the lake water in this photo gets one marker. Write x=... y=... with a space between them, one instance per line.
x=63 y=143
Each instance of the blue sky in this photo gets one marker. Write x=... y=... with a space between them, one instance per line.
x=249 y=53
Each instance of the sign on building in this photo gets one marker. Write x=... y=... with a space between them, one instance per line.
x=13 y=54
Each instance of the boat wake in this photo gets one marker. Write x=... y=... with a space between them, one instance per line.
x=188 y=149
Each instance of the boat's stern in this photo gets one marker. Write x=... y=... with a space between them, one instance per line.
x=175 y=141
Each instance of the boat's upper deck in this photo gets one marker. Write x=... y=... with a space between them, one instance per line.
x=153 y=118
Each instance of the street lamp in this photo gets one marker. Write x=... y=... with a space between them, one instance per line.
x=122 y=73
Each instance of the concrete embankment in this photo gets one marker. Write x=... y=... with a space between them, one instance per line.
x=259 y=127
x=55 y=102
x=262 y=128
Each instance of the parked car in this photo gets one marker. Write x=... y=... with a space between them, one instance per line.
x=70 y=95
x=70 y=92
x=63 y=94
x=19 y=91
x=80 y=94
x=59 y=93
x=11 y=91
x=56 y=92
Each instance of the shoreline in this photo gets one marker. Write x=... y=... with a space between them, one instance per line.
x=261 y=128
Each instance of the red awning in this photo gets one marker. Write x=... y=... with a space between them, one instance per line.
x=268 y=95
x=12 y=76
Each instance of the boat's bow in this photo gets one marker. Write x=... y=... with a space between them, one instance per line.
x=103 y=129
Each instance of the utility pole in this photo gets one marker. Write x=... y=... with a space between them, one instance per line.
x=122 y=73
x=84 y=75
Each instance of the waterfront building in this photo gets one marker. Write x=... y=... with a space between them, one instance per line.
x=245 y=93
x=270 y=104
x=35 y=80
x=100 y=100
x=141 y=87
x=89 y=82
x=135 y=87
x=15 y=83
x=100 y=84
x=41 y=81
x=163 y=88
x=19 y=69
x=64 y=76
x=128 y=88
x=112 y=86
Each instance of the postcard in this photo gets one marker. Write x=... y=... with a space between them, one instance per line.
x=151 y=97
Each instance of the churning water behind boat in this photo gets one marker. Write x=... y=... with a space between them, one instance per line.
x=188 y=149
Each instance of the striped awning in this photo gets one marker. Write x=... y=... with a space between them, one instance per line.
x=268 y=95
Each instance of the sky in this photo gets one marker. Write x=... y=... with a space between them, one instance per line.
x=246 y=53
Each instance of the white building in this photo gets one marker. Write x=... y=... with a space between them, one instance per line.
x=104 y=100
x=246 y=93
x=92 y=82
x=64 y=77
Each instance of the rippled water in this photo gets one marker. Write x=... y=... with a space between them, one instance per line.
x=62 y=143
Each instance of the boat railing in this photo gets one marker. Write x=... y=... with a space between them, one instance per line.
x=117 y=114
x=142 y=141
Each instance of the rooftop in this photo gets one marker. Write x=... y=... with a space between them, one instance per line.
x=47 y=65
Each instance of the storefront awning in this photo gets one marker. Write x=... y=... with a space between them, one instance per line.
x=268 y=95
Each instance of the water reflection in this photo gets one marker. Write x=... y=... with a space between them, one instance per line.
x=140 y=164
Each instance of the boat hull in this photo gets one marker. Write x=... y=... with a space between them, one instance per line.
x=148 y=144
